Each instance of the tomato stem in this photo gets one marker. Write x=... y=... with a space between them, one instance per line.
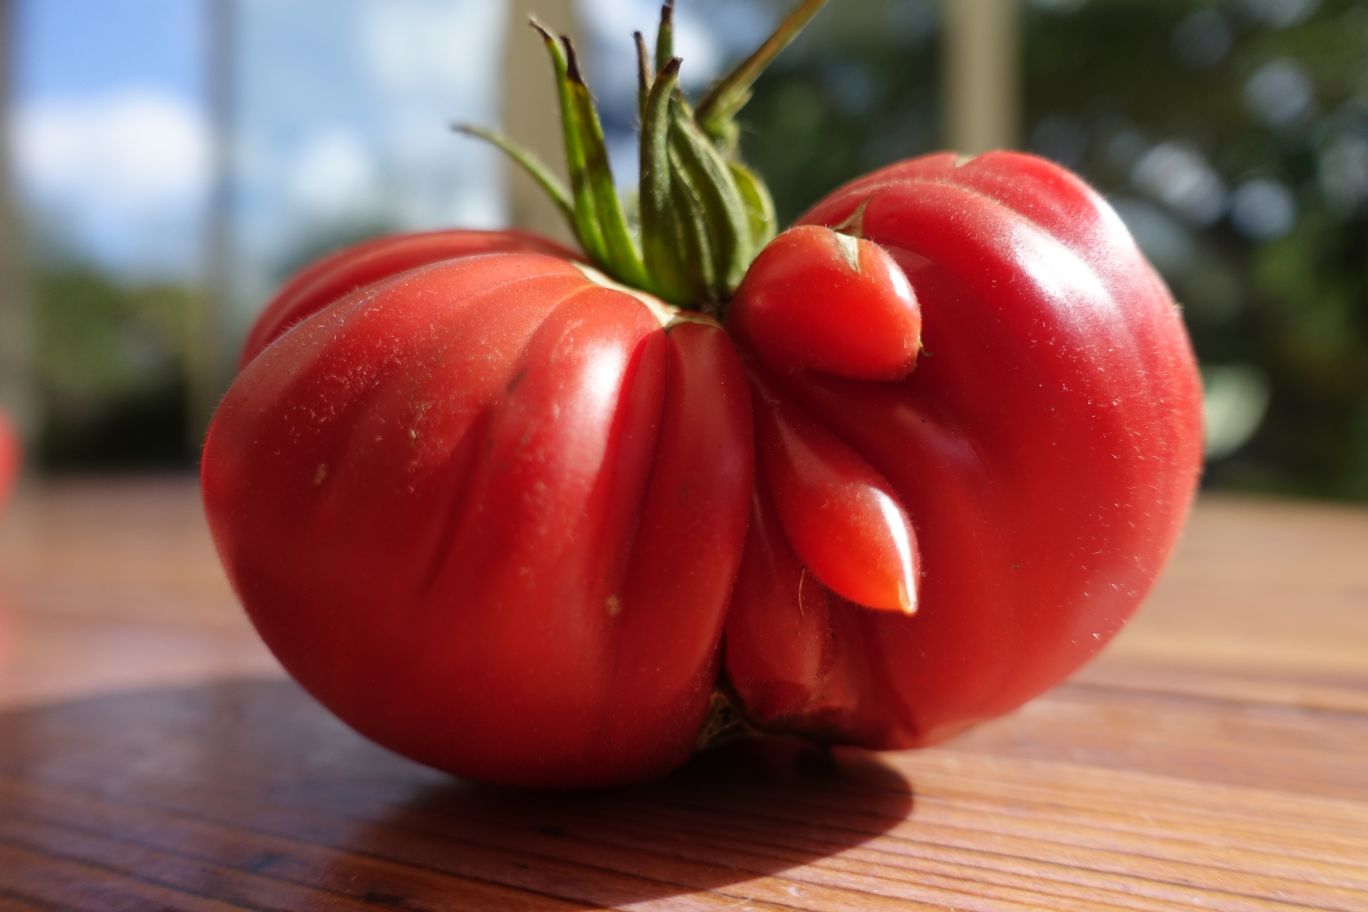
x=724 y=722
x=703 y=216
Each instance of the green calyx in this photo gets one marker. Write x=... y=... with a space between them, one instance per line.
x=700 y=214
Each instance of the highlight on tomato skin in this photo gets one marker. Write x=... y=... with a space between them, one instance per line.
x=334 y=276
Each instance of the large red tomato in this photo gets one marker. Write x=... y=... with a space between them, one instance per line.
x=872 y=481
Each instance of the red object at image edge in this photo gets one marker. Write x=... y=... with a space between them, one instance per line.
x=9 y=457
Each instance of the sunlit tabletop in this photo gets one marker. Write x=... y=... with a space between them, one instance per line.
x=152 y=755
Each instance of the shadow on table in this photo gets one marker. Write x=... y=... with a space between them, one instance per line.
x=258 y=790
x=741 y=812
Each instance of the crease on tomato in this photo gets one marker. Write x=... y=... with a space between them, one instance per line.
x=940 y=477
x=793 y=651
x=685 y=549
x=440 y=446
x=517 y=563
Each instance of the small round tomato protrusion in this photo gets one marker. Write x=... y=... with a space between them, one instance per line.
x=817 y=298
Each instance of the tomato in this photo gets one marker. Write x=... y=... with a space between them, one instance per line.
x=872 y=481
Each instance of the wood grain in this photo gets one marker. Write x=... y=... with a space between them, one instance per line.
x=151 y=757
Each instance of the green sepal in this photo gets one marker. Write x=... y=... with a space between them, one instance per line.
x=700 y=214
x=661 y=227
x=664 y=48
x=693 y=235
x=725 y=134
x=729 y=233
x=644 y=79
x=759 y=204
x=585 y=212
x=730 y=93
x=621 y=255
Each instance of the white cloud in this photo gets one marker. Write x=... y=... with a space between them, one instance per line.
x=357 y=135
x=133 y=154
x=333 y=175
x=427 y=45
x=434 y=61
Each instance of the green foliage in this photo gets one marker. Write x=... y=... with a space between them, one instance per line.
x=109 y=368
x=854 y=92
x=1259 y=94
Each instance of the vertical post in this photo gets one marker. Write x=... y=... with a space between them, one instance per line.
x=16 y=388
x=207 y=355
x=982 y=75
x=207 y=361
x=529 y=111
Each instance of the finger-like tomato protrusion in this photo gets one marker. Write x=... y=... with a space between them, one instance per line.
x=841 y=517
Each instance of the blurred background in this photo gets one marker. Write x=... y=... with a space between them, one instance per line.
x=168 y=162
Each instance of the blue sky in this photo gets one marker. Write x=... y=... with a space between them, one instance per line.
x=67 y=47
x=343 y=113
x=110 y=142
x=344 y=107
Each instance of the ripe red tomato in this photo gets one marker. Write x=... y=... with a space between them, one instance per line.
x=880 y=478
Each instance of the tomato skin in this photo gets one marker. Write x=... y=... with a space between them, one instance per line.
x=1046 y=449
x=820 y=300
x=817 y=299
x=841 y=517
x=489 y=512
x=334 y=276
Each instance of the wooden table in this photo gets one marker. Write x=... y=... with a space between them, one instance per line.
x=152 y=756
